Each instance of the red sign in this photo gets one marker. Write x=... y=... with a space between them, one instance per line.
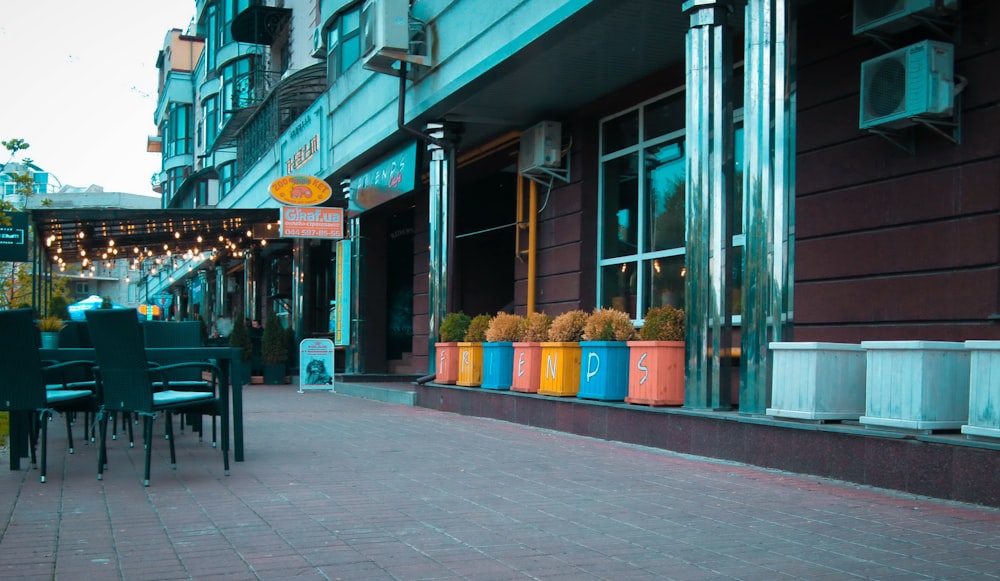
x=312 y=222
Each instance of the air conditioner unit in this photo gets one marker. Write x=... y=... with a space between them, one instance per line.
x=890 y=16
x=914 y=81
x=319 y=43
x=385 y=33
x=541 y=147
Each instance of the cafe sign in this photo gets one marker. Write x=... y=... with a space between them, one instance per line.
x=300 y=190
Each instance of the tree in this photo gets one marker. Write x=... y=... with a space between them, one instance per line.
x=15 y=145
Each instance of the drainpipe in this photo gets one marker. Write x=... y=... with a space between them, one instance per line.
x=532 y=242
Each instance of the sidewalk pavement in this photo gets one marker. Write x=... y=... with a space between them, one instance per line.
x=341 y=487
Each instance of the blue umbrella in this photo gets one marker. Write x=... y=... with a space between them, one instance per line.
x=77 y=309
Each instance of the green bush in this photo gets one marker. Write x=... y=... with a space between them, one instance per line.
x=476 y=333
x=240 y=337
x=664 y=323
x=608 y=325
x=454 y=327
x=274 y=343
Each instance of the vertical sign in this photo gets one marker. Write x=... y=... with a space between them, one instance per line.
x=14 y=238
x=316 y=364
x=342 y=320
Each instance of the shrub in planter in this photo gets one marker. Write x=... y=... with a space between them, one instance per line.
x=49 y=327
x=274 y=350
x=240 y=337
x=561 y=355
x=527 y=372
x=664 y=323
x=505 y=328
x=452 y=330
x=470 y=352
x=498 y=350
x=604 y=355
x=536 y=328
x=608 y=325
x=656 y=360
x=568 y=327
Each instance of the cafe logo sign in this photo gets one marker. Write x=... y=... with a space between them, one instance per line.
x=300 y=190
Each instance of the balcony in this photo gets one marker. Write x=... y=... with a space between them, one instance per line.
x=264 y=105
x=260 y=24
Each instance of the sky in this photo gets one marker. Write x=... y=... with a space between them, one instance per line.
x=78 y=82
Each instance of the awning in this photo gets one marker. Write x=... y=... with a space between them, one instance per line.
x=70 y=235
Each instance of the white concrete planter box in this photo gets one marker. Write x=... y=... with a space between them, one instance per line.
x=817 y=381
x=984 y=389
x=917 y=385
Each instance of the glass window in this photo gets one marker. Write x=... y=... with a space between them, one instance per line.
x=237 y=85
x=210 y=117
x=227 y=177
x=642 y=238
x=344 y=43
x=179 y=130
x=620 y=207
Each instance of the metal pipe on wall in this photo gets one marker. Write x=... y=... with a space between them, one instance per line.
x=532 y=243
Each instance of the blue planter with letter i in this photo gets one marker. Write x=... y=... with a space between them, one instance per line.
x=498 y=365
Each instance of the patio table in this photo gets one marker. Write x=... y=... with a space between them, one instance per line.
x=230 y=364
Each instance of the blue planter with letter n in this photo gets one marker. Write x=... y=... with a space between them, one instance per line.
x=603 y=370
x=498 y=365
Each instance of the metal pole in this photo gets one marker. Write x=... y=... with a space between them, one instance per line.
x=708 y=191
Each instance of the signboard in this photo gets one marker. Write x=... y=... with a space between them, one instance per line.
x=316 y=363
x=390 y=178
x=342 y=293
x=312 y=222
x=163 y=300
x=300 y=190
x=14 y=238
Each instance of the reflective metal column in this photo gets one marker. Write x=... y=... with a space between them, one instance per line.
x=768 y=193
x=353 y=361
x=438 y=210
x=709 y=189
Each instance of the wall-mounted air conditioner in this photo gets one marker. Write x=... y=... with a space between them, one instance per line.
x=385 y=33
x=319 y=43
x=914 y=81
x=541 y=147
x=890 y=16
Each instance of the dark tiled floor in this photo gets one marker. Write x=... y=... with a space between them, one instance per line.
x=338 y=487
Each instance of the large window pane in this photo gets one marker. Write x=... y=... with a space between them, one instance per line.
x=619 y=211
x=620 y=132
x=664 y=116
x=618 y=287
x=665 y=196
x=665 y=281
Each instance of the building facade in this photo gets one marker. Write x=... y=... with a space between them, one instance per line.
x=785 y=170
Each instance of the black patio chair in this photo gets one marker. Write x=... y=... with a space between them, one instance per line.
x=180 y=334
x=130 y=383
x=28 y=386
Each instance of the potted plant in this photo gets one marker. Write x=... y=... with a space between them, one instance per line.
x=453 y=329
x=656 y=360
x=49 y=328
x=498 y=350
x=274 y=350
x=470 y=352
x=527 y=372
x=604 y=355
x=240 y=337
x=561 y=355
